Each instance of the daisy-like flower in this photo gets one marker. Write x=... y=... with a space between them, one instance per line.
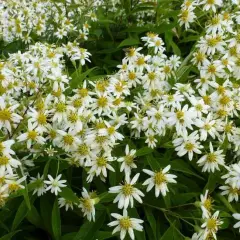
x=7 y=115
x=8 y=163
x=231 y=192
x=158 y=45
x=188 y=144
x=33 y=135
x=211 y=4
x=65 y=203
x=160 y=180
x=55 y=184
x=127 y=192
x=211 y=160
x=237 y=217
x=211 y=225
x=182 y=118
x=15 y=184
x=206 y=204
x=207 y=126
x=5 y=148
x=66 y=140
x=39 y=185
x=127 y=161
x=186 y=16
x=99 y=166
x=124 y=224
x=87 y=203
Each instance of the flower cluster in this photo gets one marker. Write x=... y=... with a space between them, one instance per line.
x=148 y=101
x=25 y=20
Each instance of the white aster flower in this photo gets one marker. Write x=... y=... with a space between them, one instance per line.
x=127 y=193
x=160 y=180
x=211 y=160
x=55 y=184
x=124 y=224
x=237 y=217
x=87 y=203
x=127 y=161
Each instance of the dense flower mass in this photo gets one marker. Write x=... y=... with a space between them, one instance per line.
x=132 y=138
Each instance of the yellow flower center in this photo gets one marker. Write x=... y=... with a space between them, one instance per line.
x=101 y=162
x=111 y=130
x=131 y=52
x=207 y=99
x=200 y=57
x=5 y=115
x=83 y=149
x=189 y=146
x=131 y=75
x=4 y=160
x=13 y=187
x=228 y=128
x=222 y=113
x=140 y=61
x=212 y=69
x=129 y=159
x=77 y=103
x=211 y=2
x=68 y=139
x=32 y=135
x=61 y=107
x=42 y=119
x=166 y=69
x=83 y=92
x=211 y=223
x=151 y=76
x=184 y=15
x=179 y=114
x=119 y=87
x=125 y=223
x=102 y=102
x=87 y=203
x=127 y=189
x=101 y=139
x=224 y=100
x=72 y=117
x=215 y=20
x=159 y=178
x=207 y=126
x=211 y=158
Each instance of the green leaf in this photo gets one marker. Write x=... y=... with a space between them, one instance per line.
x=226 y=203
x=136 y=29
x=69 y=236
x=88 y=229
x=45 y=171
x=175 y=48
x=78 y=77
x=151 y=220
x=181 y=166
x=172 y=234
x=45 y=210
x=56 y=221
x=129 y=42
x=155 y=166
x=144 y=151
x=34 y=217
x=182 y=198
x=213 y=181
x=20 y=215
x=68 y=194
x=103 y=235
x=9 y=235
